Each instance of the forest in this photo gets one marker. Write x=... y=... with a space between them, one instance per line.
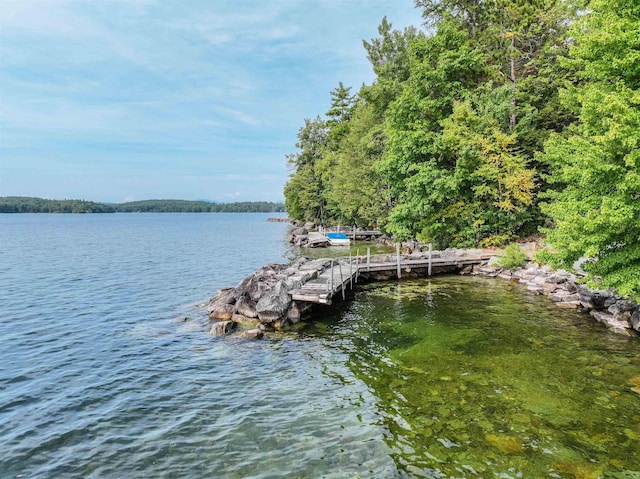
x=493 y=121
x=24 y=204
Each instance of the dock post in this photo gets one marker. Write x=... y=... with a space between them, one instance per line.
x=331 y=280
x=430 y=247
x=398 y=258
x=354 y=232
x=350 y=272
x=341 y=279
x=368 y=258
x=357 y=264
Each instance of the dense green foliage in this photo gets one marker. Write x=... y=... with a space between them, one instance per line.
x=505 y=117
x=595 y=203
x=23 y=204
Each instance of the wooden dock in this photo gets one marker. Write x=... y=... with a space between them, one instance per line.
x=343 y=273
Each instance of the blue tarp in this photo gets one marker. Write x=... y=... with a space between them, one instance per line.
x=337 y=236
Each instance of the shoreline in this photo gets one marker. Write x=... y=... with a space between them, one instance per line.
x=262 y=301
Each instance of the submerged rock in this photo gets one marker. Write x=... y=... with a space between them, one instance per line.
x=505 y=444
x=252 y=334
x=222 y=327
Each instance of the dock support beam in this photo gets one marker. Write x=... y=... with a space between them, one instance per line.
x=331 y=280
x=350 y=271
x=398 y=259
x=368 y=258
x=430 y=248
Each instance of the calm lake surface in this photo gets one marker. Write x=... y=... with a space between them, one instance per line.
x=454 y=377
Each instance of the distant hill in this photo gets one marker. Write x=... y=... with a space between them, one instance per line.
x=25 y=204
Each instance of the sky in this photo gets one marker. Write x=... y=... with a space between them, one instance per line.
x=122 y=100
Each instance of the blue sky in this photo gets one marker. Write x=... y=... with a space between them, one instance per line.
x=190 y=99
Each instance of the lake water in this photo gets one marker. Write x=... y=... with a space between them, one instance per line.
x=102 y=376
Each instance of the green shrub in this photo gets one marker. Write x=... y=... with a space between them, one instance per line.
x=513 y=257
x=544 y=256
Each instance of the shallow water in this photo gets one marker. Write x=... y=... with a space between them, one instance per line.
x=102 y=376
x=475 y=377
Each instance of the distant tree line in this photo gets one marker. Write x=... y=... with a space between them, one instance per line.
x=183 y=206
x=23 y=204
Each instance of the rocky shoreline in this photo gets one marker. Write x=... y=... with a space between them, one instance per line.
x=262 y=301
x=617 y=313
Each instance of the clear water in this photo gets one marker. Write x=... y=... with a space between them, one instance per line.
x=101 y=376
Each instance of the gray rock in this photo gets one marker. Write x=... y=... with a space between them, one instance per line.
x=292 y=283
x=221 y=311
x=301 y=240
x=247 y=307
x=274 y=304
x=611 y=322
x=517 y=273
x=494 y=261
x=291 y=271
x=239 y=318
x=635 y=320
x=561 y=295
x=557 y=279
x=222 y=327
x=570 y=286
x=569 y=304
x=622 y=306
x=252 y=334
x=224 y=296
x=593 y=299
x=258 y=283
x=540 y=279
x=577 y=266
x=300 y=231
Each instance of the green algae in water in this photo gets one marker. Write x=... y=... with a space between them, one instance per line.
x=479 y=378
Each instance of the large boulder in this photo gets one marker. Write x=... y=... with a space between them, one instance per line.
x=593 y=299
x=257 y=284
x=300 y=232
x=610 y=321
x=274 y=304
x=224 y=296
x=246 y=307
x=622 y=308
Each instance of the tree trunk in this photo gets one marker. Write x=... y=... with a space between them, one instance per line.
x=512 y=120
